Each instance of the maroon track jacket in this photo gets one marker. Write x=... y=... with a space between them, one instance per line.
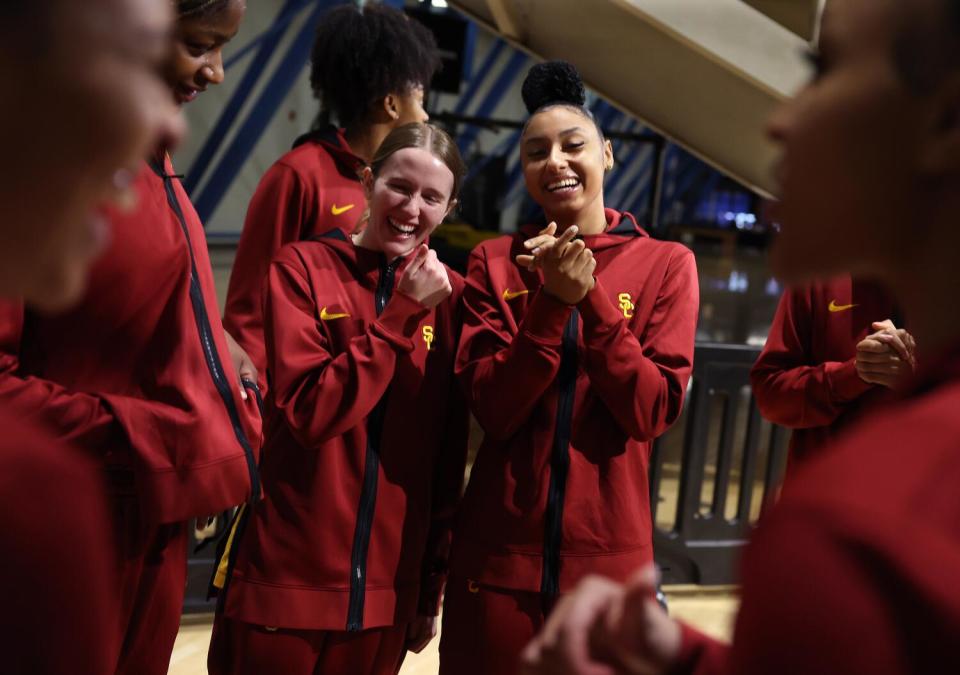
x=309 y=191
x=854 y=571
x=59 y=565
x=805 y=378
x=570 y=400
x=365 y=446
x=138 y=374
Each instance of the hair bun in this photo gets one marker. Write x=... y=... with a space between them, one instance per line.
x=550 y=83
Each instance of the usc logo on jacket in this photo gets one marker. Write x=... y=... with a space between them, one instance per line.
x=428 y=337
x=626 y=305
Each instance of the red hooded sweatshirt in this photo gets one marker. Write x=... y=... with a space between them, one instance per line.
x=855 y=570
x=570 y=400
x=138 y=373
x=58 y=561
x=365 y=446
x=806 y=377
x=309 y=191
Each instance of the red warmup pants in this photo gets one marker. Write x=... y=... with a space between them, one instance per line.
x=153 y=577
x=486 y=628
x=239 y=648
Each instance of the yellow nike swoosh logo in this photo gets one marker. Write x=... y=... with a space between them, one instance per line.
x=337 y=210
x=834 y=307
x=510 y=295
x=324 y=316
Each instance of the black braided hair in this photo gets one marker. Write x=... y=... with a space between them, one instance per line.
x=554 y=83
x=197 y=8
x=361 y=55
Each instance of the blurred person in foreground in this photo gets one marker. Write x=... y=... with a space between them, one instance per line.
x=100 y=60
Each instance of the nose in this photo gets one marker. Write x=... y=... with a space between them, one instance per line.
x=557 y=160
x=778 y=124
x=213 y=71
x=411 y=207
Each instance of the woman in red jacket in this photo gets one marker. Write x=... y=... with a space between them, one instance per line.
x=341 y=566
x=573 y=362
x=138 y=374
x=854 y=570
x=835 y=351
x=58 y=558
x=371 y=67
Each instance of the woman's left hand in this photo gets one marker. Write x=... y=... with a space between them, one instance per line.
x=242 y=363
x=420 y=631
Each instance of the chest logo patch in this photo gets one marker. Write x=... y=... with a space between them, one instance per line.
x=337 y=210
x=330 y=316
x=428 y=337
x=509 y=295
x=834 y=307
x=626 y=305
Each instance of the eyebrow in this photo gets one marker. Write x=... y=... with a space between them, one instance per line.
x=565 y=132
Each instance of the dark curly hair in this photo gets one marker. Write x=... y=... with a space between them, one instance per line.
x=361 y=55
x=555 y=83
x=198 y=8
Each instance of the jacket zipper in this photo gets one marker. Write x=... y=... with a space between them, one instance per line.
x=371 y=470
x=559 y=463
x=207 y=342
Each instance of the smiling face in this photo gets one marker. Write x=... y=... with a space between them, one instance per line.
x=96 y=108
x=408 y=199
x=564 y=161
x=849 y=174
x=198 y=50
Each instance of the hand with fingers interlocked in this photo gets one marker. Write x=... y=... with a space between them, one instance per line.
x=567 y=264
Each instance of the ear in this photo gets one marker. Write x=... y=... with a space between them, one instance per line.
x=391 y=106
x=450 y=207
x=940 y=146
x=607 y=155
x=366 y=179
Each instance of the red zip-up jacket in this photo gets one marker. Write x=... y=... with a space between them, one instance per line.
x=139 y=373
x=365 y=448
x=309 y=191
x=806 y=378
x=570 y=403
x=854 y=571
x=58 y=561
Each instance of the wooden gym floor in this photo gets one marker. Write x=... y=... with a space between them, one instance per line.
x=710 y=609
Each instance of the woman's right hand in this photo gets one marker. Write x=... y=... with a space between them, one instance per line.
x=425 y=278
x=568 y=267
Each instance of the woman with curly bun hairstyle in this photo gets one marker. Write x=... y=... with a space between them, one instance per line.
x=371 y=66
x=139 y=374
x=576 y=350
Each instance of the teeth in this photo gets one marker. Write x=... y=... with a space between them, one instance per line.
x=405 y=229
x=566 y=183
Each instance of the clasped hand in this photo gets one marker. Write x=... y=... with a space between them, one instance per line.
x=567 y=264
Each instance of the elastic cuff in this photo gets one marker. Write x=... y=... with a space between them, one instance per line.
x=693 y=643
x=845 y=383
x=400 y=319
x=546 y=318
x=596 y=310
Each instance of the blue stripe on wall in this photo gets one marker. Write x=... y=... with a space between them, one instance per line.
x=232 y=110
x=283 y=79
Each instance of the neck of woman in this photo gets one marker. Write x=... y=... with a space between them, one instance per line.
x=364 y=140
x=590 y=220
